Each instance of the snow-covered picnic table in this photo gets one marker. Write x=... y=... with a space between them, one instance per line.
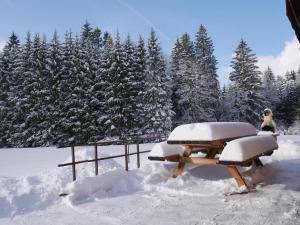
x=224 y=143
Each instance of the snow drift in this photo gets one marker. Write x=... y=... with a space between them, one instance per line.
x=119 y=197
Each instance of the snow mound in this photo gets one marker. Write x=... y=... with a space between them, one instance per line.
x=19 y=195
x=211 y=131
x=26 y=194
x=84 y=188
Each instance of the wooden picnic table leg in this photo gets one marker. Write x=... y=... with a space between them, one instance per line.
x=237 y=176
x=211 y=153
x=258 y=162
x=179 y=169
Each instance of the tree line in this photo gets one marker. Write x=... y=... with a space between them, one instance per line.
x=94 y=86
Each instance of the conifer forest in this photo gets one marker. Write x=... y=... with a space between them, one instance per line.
x=80 y=88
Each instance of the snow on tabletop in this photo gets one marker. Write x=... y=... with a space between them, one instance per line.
x=262 y=133
x=245 y=148
x=163 y=149
x=211 y=131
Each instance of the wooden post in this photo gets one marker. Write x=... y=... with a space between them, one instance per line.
x=96 y=160
x=138 y=154
x=73 y=162
x=126 y=157
x=128 y=145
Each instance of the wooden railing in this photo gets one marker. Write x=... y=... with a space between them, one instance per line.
x=133 y=140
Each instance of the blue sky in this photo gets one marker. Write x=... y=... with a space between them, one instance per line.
x=262 y=23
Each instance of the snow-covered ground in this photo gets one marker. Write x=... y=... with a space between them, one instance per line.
x=30 y=183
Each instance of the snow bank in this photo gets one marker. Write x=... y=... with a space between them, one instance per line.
x=289 y=147
x=84 y=188
x=211 y=131
x=19 y=195
x=150 y=190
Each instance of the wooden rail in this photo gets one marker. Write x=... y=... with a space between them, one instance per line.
x=126 y=142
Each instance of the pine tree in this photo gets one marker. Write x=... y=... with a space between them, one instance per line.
x=116 y=95
x=54 y=65
x=185 y=83
x=36 y=96
x=224 y=104
x=131 y=92
x=139 y=65
x=246 y=80
x=21 y=94
x=90 y=66
x=67 y=124
x=104 y=82
x=287 y=109
x=175 y=56
x=206 y=70
x=8 y=64
x=269 y=91
x=158 y=113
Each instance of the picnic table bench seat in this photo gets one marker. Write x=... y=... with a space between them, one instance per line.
x=230 y=144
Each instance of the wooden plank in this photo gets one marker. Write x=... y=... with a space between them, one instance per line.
x=155 y=158
x=237 y=176
x=198 y=160
x=173 y=158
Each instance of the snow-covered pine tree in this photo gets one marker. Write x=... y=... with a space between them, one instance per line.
x=8 y=64
x=96 y=38
x=131 y=79
x=90 y=66
x=287 y=109
x=67 y=125
x=46 y=99
x=97 y=88
x=116 y=92
x=224 y=104
x=54 y=65
x=158 y=107
x=103 y=83
x=77 y=108
x=206 y=73
x=139 y=65
x=269 y=90
x=186 y=108
x=36 y=93
x=30 y=121
x=174 y=68
x=245 y=76
x=21 y=94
